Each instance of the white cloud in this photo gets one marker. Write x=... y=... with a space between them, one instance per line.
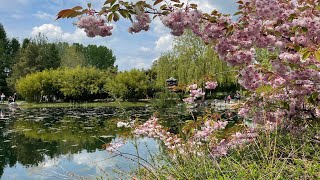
x=55 y=33
x=205 y=5
x=158 y=27
x=44 y=15
x=129 y=62
x=164 y=43
x=144 y=49
x=50 y=30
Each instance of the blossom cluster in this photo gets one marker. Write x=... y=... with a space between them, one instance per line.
x=153 y=129
x=142 y=23
x=114 y=146
x=250 y=78
x=178 y=20
x=195 y=93
x=208 y=128
x=211 y=85
x=94 y=26
x=237 y=139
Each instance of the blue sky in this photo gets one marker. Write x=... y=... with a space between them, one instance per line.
x=26 y=18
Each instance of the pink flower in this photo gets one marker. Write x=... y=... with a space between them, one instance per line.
x=94 y=26
x=189 y=100
x=142 y=23
x=193 y=86
x=211 y=85
x=114 y=146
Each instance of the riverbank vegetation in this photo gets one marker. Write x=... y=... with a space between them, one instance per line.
x=280 y=154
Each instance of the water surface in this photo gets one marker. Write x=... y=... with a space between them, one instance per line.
x=51 y=143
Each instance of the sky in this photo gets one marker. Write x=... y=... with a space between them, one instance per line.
x=27 y=18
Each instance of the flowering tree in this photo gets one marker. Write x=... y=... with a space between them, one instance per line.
x=286 y=86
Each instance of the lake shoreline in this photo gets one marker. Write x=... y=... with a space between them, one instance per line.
x=120 y=104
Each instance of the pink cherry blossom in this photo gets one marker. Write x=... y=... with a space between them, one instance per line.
x=211 y=85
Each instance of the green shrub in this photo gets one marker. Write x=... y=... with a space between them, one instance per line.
x=80 y=83
x=128 y=85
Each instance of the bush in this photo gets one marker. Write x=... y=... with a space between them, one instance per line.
x=129 y=85
x=80 y=83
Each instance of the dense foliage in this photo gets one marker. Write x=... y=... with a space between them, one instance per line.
x=38 y=55
x=80 y=83
x=83 y=84
x=8 y=50
x=192 y=61
x=73 y=55
x=129 y=85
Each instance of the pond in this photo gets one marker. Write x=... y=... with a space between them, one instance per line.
x=51 y=143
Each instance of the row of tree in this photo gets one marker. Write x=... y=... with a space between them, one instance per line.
x=83 y=84
x=37 y=54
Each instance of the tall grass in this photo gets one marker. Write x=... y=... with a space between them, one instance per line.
x=281 y=154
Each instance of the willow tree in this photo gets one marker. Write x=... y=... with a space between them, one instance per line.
x=192 y=61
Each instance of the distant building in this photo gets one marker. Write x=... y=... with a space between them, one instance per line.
x=172 y=83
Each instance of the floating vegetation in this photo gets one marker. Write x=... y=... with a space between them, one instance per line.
x=35 y=136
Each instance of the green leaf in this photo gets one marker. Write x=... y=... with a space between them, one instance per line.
x=111 y=2
x=163 y=7
x=194 y=6
x=306 y=55
x=115 y=7
x=237 y=13
x=123 y=13
x=317 y=55
x=110 y=17
x=140 y=3
x=147 y=6
x=116 y=16
x=264 y=89
x=304 y=29
x=103 y=10
x=154 y=16
x=297 y=48
x=177 y=1
x=286 y=105
x=157 y=2
x=315 y=95
x=89 y=5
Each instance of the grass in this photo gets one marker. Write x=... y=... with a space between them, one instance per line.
x=123 y=104
x=277 y=155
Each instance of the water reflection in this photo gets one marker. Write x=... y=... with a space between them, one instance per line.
x=51 y=143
